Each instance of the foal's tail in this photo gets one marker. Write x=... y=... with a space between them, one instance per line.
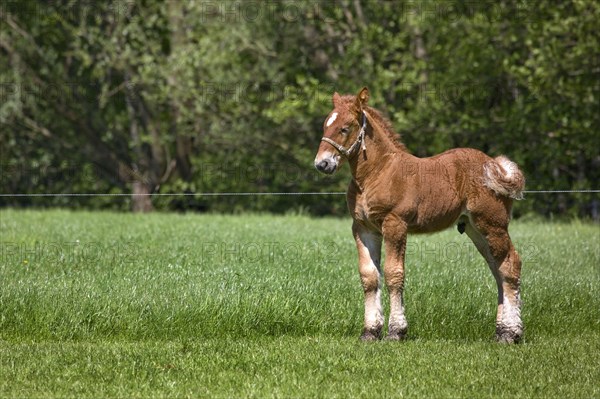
x=504 y=177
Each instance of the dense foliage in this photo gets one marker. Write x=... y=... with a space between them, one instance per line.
x=208 y=96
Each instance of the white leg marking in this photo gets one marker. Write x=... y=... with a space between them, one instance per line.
x=374 y=311
x=371 y=251
x=397 y=317
x=511 y=314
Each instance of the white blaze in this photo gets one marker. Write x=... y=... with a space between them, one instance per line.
x=331 y=119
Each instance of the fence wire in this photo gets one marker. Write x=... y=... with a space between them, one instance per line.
x=240 y=194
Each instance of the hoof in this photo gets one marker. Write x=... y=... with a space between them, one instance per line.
x=395 y=337
x=396 y=334
x=370 y=335
x=505 y=335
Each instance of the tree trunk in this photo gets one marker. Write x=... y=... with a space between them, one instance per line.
x=183 y=143
x=141 y=200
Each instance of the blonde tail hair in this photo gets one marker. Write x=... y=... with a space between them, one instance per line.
x=504 y=177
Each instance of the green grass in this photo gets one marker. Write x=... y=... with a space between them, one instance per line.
x=165 y=305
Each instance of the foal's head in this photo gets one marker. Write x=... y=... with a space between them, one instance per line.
x=342 y=131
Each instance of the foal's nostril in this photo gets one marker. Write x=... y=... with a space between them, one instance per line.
x=323 y=165
x=327 y=166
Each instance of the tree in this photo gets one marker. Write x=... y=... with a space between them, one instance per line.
x=149 y=96
x=90 y=81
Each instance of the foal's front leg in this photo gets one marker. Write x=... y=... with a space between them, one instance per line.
x=368 y=244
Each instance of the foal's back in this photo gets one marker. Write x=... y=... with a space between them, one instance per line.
x=432 y=193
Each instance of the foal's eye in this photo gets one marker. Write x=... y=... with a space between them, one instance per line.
x=345 y=130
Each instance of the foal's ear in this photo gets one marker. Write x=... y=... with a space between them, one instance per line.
x=336 y=99
x=362 y=98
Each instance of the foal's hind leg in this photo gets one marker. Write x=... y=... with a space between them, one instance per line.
x=496 y=247
x=369 y=258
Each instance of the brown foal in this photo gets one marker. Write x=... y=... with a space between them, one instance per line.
x=393 y=193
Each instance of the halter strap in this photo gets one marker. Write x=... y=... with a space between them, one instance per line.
x=359 y=140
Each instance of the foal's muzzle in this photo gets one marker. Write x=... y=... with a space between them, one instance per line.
x=326 y=165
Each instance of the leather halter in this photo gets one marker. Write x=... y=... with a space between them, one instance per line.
x=347 y=152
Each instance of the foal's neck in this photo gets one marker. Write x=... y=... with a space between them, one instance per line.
x=380 y=150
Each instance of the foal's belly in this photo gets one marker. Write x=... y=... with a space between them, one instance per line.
x=432 y=217
x=437 y=223
x=419 y=219
x=430 y=213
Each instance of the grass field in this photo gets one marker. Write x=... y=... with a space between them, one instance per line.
x=169 y=305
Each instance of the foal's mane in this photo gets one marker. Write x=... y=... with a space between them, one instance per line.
x=382 y=121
